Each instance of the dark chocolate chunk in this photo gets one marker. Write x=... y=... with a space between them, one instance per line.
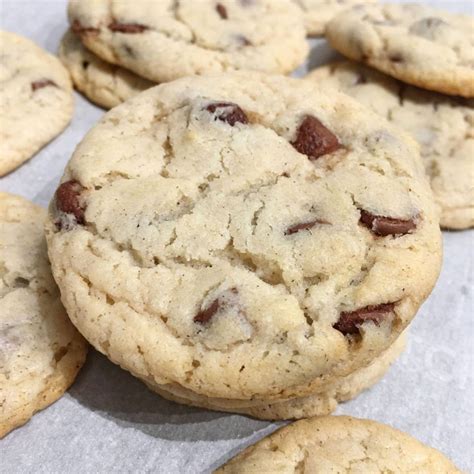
x=303 y=226
x=349 y=322
x=68 y=200
x=314 y=139
x=220 y=303
x=222 y=11
x=228 y=112
x=79 y=29
x=383 y=225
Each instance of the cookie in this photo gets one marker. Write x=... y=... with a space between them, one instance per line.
x=35 y=98
x=40 y=350
x=318 y=13
x=105 y=84
x=442 y=125
x=417 y=44
x=241 y=224
x=338 y=444
x=166 y=40
x=317 y=404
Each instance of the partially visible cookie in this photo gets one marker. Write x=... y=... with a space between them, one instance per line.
x=35 y=99
x=105 y=84
x=317 y=404
x=243 y=224
x=166 y=40
x=442 y=125
x=338 y=444
x=318 y=13
x=40 y=350
x=417 y=44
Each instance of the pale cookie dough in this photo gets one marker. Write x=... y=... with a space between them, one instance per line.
x=167 y=39
x=40 y=350
x=105 y=84
x=317 y=404
x=339 y=444
x=318 y=13
x=442 y=125
x=214 y=229
x=417 y=44
x=36 y=100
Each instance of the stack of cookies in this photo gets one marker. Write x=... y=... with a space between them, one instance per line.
x=248 y=242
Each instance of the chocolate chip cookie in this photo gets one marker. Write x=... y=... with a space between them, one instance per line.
x=417 y=44
x=442 y=125
x=35 y=99
x=214 y=229
x=318 y=13
x=105 y=84
x=338 y=444
x=40 y=350
x=165 y=40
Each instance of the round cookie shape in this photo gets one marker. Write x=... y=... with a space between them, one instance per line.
x=442 y=125
x=165 y=40
x=316 y=404
x=417 y=44
x=35 y=98
x=338 y=444
x=105 y=84
x=40 y=350
x=241 y=224
x=318 y=13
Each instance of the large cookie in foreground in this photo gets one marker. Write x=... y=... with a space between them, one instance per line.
x=166 y=40
x=35 y=99
x=442 y=125
x=214 y=229
x=339 y=444
x=40 y=350
x=417 y=44
x=105 y=84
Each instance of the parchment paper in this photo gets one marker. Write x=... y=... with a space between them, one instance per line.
x=110 y=422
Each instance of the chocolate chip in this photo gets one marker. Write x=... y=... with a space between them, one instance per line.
x=314 y=139
x=85 y=64
x=349 y=322
x=131 y=28
x=67 y=200
x=228 y=112
x=79 y=29
x=303 y=226
x=383 y=225
x=396 y=58
x=206 y=314
x=42 y=83
x=222 y=11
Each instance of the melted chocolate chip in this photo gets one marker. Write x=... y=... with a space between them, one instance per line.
x=314 y=139
x=303 y=226
x=383 y=226
x=67 y=200
x=349 y=322
x=79 y=29
x=228 y=112
x=222 y=11
x=206 y=314
x=131 y=28
x=42 y=83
